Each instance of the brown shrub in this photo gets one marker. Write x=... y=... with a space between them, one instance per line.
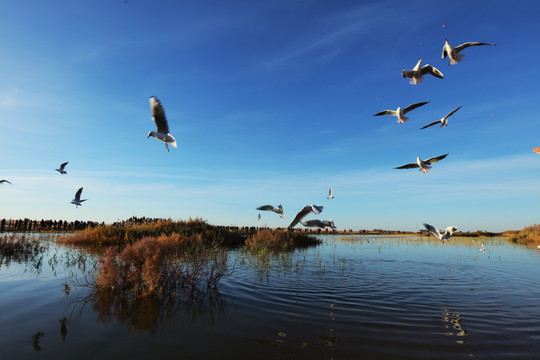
x=278 y=240
x=530 y=235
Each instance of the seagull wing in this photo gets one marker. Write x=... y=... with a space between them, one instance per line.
x=414 y=106
x=5 y=181
x=306 y=210
x=452 y=112
x=428 y=69
x=407 y=166
x=158 y=115
x=266 y=208
x=78 y=194
x=432 y=229
x=407 y=73
x=473 y=43
x=451 y=229
x=301 y=214
x=444 y=52
x=386 y=112
x=433 y=160
x=63 y=165
x=431 y=124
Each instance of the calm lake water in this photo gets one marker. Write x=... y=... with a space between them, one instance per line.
x=358 y=297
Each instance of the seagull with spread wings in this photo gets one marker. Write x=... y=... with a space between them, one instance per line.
x=417 y=73
x=453 y=53
x=443 y=121
x=400 y=113
x=439 y=234
x=279 y=209
x=61 y=169
x=424 y=165
x=302 y=213
x=158 y=115
x=77 y=200
x=5 y=181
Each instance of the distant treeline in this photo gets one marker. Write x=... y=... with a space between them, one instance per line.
x=22 y=225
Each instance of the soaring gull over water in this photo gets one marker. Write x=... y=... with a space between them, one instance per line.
x=441 y=235
x=443 y=121
x=400 y=113
x=453 y=53
x=77 y=200
x=417 y=73
x=424 y=165
x=158 y=115
x=306 y=210
x=279 y=209
x=61 y=169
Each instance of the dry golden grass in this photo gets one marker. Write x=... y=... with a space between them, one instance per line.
x=162 y=266
x=120 y=236
x=530 y=235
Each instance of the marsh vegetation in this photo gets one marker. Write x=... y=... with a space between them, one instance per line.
x=530 y=235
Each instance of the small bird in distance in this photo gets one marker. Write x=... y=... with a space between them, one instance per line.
x=61 y=168
x=400 y=113
x=424 y=165
x=417 y=73
x=443 y=121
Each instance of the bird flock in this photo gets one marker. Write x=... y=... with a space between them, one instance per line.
x=415 y=75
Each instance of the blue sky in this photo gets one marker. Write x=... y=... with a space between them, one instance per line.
x=270 y=102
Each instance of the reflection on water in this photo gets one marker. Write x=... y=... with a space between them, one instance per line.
x=452 y=324
x=351 y=297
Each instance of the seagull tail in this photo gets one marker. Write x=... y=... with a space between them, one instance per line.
x=458 y=58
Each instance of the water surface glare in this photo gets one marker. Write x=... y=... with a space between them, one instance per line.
x=354 y=297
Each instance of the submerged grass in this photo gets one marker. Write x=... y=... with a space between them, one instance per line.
x=530 y=235
x=20 y=248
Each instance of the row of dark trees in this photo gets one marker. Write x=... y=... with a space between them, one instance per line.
x=44 y=225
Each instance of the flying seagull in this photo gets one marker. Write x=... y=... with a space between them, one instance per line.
x=61 y=169
x=77 y=200
x=323 y=224
x=417 y=73
x=441 y=235
x=5 y=181
x=158 y=115
x=259 y=217
x=330 y=194
x=453 y=53
x=424 y=165
x=279 y=210
x=400 y=113
x=444 y=120
x=306 y=210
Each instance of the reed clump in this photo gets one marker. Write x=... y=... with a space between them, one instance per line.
x=278 y=240
x=20 y=248
x=529 y=235
x=120 y=236
x=166 y=266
